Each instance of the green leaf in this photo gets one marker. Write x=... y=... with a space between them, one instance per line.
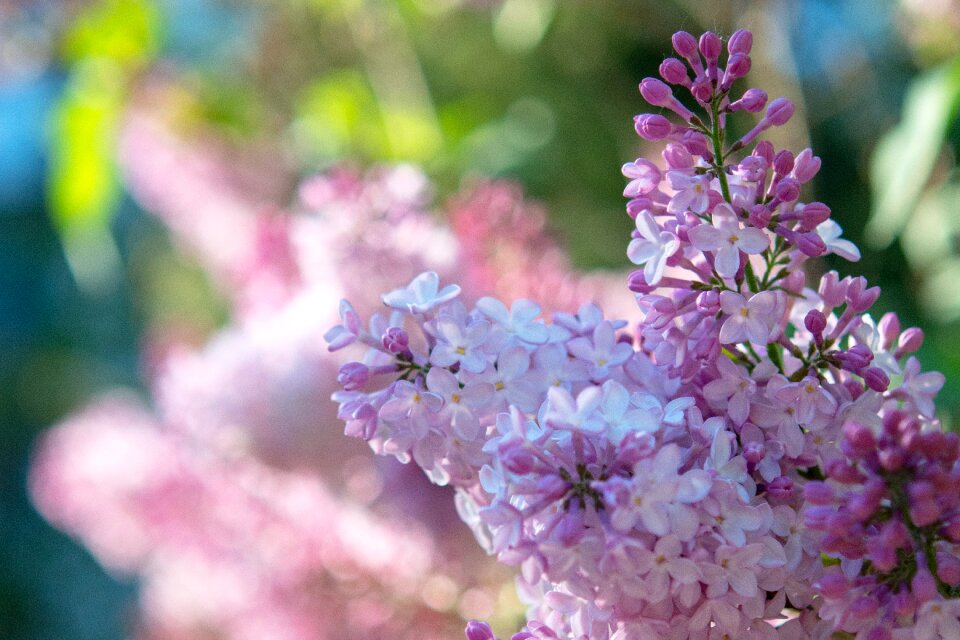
x=906 y=155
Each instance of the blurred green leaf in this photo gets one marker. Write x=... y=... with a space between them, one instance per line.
x=905 y=157
x=83 y=186
x=125 y=31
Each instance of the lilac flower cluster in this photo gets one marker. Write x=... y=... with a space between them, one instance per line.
x=755 y=459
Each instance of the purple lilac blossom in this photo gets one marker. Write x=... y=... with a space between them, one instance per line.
x=755 y=459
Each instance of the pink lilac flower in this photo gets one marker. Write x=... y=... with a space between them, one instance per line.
x=725 y=238
x=745 y=461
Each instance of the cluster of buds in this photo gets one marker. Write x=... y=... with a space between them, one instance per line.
x=695 y=476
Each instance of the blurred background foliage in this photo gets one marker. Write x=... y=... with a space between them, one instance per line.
x=541 y=91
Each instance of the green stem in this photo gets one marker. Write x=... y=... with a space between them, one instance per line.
x=718 y=149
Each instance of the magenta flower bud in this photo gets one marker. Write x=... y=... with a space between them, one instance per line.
x=674 y=72
x=858 y=440
x=637 y=283
x=781 y=488
x=855 y=358
x=794 y=282
x=815 y=321
x=924 y=509
x=891 y=459
x=752 y=101
x=788 y=190
x=702 y=89
x=806 y=166
x=859 y=297
x=863 y=607
x=677 y=157
x=479 y=631
x=833 y=585
x=812 y=214
x=760 y=216
x=889 y=328
x=844 y=472
x=696 y=143
x=652 y=126
x=656 y=92
x=754 y=452
x=740 y=42
x=684 y=44
x=395 y=340
x=817 y=492
x=353 y=375
x=923 y=586
x=832 y=290
x=879 y=633
x=810 y=244
x=951 y=529
x=948 y=568
x=711 y=46
x=903 y=604
x=738 y=66
x=783 y=163
x=779 y=112
x=764 y=149
x=876 y=379
x=910 y=341
x=708 y=302
x=881 y=556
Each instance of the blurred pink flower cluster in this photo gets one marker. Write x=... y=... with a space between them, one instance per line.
x=233 y=499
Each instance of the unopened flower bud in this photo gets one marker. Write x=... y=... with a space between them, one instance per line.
x=805 y=166
x=948 y=568
x=652 y=126
x=788 y=190
x=781 y=488
x=696 y=143
x=783 y=163
x=710 y=46
x=395 y=340
x=858 y=440
x=674 y=72
x=812 y=214
x=738 y=66
x=810 y=244
x=764 y=149
x=815 y=321
x=859 y=297
x=752 y=101
x=740 y=42
x=876 y=379
x=816 y=492
x=855 y=358
x=889 y=329
x=832 y=290
x=754 y=452
x=923 y=586
x=677 y=157
x=479 y=631
x=910 y=341
x=702 y=89
x=353 y=375
x=760 y=216
x=656 y=92
x=708 y=302
x=779 y=112
x=833 y=585
x=637 y=282
x=880 y=632
x=684 y=44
